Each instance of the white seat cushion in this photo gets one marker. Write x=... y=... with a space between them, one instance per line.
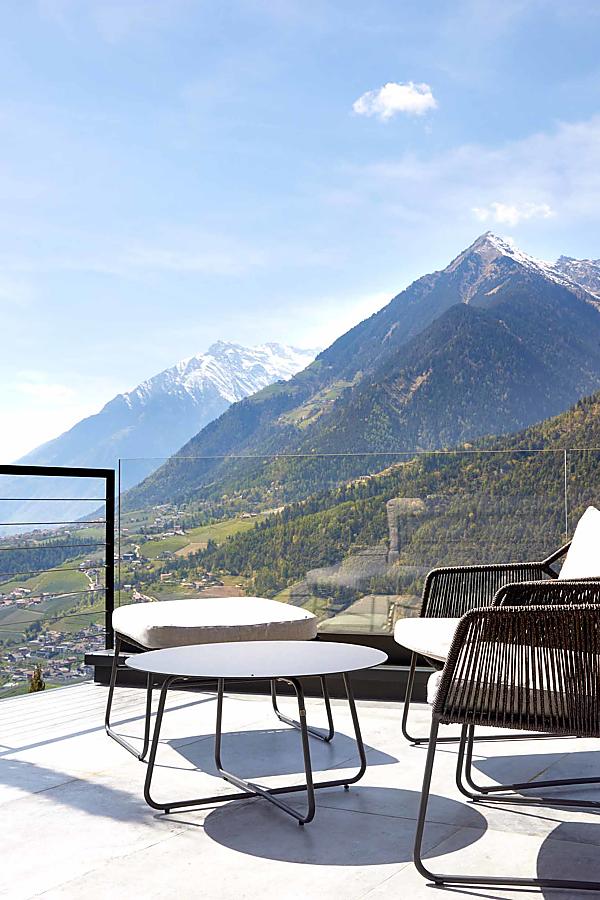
x=429 y=637
x=433 y=683
x=210 y=620
x=583 y=557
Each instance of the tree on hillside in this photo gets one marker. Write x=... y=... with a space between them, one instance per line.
x=32 y=631
x=37 y=682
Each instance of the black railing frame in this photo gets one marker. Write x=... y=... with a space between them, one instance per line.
x=108 y=476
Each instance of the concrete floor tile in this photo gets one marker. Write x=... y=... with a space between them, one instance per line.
x=521 y=856
x=251 y=850
x=77 y=824
x=69 y=830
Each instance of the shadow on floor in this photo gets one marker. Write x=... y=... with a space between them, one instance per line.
x=571 y=851
x=570 y=764
x=276 y=751
x=338 y=837
x=74 y=792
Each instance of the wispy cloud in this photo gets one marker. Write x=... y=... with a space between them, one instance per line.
x=512 y=213
x=545 y=176
x=393 y=98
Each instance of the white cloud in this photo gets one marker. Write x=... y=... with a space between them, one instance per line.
x=405 y=97
x=547 y=177
x=511 y=213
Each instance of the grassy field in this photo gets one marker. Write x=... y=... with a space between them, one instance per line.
x=15 y=619
x=91 y=533
x=54 y=581
x=153 y=548
x=21 y=689
x=72 y=623
x=169 y=591
x=306 y=414
x=218 y=532
x=234 y=580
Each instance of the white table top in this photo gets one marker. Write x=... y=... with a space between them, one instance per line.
x=258 y=659
x=428 y=637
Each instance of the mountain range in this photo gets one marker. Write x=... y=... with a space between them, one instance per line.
x=143 y=427
x=149 y=423
x=492 y=343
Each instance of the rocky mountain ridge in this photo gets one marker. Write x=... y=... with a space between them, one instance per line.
x=489 y=345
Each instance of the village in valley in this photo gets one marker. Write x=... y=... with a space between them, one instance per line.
x=56 y=627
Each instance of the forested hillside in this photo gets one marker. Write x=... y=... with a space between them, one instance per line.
x=472 y=505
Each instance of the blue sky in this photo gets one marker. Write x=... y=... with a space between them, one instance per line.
x=172 y=173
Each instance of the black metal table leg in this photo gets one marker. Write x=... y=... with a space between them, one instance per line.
x=314 y=732
x=269 y=793
x=249 y=788
x=111 y=690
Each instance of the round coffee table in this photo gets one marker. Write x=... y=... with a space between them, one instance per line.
x=243 y=661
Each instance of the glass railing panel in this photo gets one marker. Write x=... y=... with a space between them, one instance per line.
x=348 y=536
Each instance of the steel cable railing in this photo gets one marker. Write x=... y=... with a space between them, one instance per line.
x=26 y=613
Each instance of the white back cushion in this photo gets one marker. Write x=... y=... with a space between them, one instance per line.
x=583 y=558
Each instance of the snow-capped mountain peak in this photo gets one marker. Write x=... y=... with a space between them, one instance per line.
x=490 y=259
x=490 y=247
x=585 y=272
x=144 y=426
x=139 y=429
x=226 y=369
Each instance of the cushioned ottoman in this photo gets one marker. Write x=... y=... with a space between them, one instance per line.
x=212 y=620
x=207 y=620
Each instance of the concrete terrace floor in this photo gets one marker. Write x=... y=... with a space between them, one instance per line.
x=75 y=825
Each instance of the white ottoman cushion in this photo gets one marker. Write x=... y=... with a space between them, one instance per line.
x=210 y=620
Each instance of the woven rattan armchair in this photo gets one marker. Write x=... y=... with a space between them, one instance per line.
x=527 y=593
x=534 y=668
x=451 y=591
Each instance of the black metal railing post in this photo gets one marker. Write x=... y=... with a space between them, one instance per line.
x=109 y=577
x=119 y=554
